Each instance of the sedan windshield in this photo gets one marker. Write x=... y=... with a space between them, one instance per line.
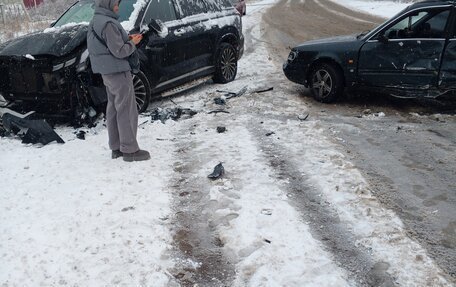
x=83 y=12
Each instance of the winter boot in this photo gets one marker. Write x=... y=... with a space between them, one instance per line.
x=136 y=156
x=116 y=154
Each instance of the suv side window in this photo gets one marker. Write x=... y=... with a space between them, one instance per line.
x=162 y=10
x=192 y=7
x=218 y=5
x=424 y=24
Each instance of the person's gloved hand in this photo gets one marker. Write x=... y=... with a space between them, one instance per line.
x=136 y=38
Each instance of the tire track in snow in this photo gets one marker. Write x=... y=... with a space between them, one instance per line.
x=342 y=14
x=200 y=259
x=240 y=219
x=318 y=214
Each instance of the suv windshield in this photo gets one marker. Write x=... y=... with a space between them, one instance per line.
x=83 y=12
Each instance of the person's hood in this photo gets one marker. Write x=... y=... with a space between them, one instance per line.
x=106 y=4
x=52 y=41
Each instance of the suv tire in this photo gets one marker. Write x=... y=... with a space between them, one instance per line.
x=142 y=91
x=326 y=83
x=225 y=64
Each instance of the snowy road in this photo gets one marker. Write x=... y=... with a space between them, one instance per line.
x=293 y=209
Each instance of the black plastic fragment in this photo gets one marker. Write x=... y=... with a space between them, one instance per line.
x=219 y=101
x=81 y=135
x=218 y=111
x=259 y=91
x=221 y=129
x=270 y=134
x=303 y=117
x=229 y=95
x=34 y=131
x=176 y=113
x=218 y=172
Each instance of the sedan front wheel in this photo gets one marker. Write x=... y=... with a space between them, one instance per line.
x=326 y=83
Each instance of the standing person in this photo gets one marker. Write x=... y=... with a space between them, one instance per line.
x=109 y=48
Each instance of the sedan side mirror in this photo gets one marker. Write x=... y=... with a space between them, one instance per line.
x=383 y=39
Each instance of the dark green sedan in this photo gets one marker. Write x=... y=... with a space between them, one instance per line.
x=411 y=55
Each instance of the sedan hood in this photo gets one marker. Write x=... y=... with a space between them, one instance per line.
x=52 y=41
x=332 y=40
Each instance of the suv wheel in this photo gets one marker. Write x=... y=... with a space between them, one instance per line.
x=142 y=91
x=326 y=83
x=225 y=64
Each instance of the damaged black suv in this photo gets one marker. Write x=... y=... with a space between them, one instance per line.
x=184 y=43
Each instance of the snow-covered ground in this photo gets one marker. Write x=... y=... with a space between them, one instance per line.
x=73 y=216
x=385 y=9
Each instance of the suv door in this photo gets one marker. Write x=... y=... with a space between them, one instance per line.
x=198 y=32
x=447 y=75
x=407 y=53
x=163 y=49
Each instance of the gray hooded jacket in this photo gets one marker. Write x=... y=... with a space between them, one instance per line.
x=113 y=58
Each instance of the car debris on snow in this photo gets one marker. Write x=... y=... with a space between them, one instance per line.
x=221 y=130
x=218 y=111
x=171 y=113
x=218 y=172
x=303 y=117
x=29 y=130
x=266 y=211
x=270 y=134
x=228 y=94
x=263 y=90
x=128 y=208
x=81 y=135
x=220 y=101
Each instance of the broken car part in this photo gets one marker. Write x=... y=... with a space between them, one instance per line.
x=218 y=172
x=171 y=113
x=30 y=131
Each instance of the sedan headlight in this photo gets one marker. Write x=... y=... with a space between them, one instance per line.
x=293 y=55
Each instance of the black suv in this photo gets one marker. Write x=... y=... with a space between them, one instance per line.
x=184 y=43
x=411 y=55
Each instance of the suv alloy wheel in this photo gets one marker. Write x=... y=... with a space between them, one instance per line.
x=225 y=64
x=142 y=91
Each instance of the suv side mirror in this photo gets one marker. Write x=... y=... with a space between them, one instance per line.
x=383 y=39
x=156 y=25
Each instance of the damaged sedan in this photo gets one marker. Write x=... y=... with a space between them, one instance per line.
x=411 y=55
x=184 y=43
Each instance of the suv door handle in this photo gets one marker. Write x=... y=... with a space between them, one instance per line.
x=179 y=32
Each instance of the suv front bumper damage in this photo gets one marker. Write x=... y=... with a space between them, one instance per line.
x=36 y=85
